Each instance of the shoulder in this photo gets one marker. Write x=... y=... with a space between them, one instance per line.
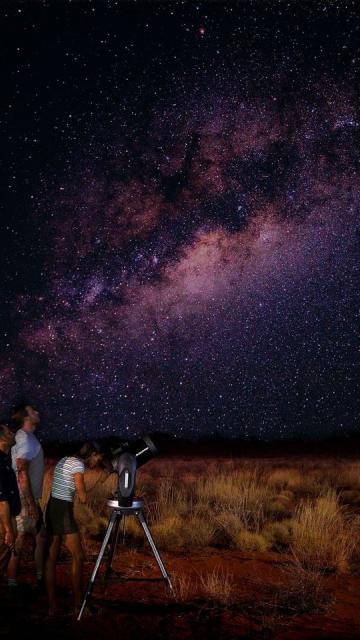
x=22 y=447
x=75 y=464
x=21 y=436
x=60 y=463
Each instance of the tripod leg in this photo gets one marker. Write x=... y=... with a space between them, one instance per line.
x=98 y=562
x=151 y=542
x=114 y=541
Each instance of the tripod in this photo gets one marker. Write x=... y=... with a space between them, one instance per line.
x=112 y=533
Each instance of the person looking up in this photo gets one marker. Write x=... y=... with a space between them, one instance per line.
x=28 y=464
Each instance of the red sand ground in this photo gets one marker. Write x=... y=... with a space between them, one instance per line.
x=141 y=608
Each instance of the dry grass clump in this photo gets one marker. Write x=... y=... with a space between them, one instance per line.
x=99 y=488
x=249 y=541
x=305 y=592
x=278 y=534
x=348 y=477
x=311 y=485
x=90 y=524
x=285 y=478
x=281 y=506
x=350 y=496
x=168 y=533
x=355 y=523
x=184 y=587
x=184 y=533
x=322 y=538
x=199 y=532
x=242 y=494
x=272 y=504
x=217 y=586
x=300 y=592
x=132 y=531
x=228 y=526
x=171 y=501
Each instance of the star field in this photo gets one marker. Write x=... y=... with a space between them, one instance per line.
x=180 y=217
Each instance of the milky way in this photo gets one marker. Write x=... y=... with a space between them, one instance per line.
x=181 y=221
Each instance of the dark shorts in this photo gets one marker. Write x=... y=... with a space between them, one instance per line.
x=60 y=517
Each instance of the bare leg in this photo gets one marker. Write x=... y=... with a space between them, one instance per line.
x=73 y=544
x=50 y=571
x=40 y=551
x=13 y=565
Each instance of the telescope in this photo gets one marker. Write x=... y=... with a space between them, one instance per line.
x=126 y=460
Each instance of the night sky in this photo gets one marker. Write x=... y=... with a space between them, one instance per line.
x=180 y=217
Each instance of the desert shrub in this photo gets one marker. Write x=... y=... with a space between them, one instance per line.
x=322 y=539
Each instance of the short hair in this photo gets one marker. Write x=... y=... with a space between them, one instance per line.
x=3 y=425
x=19 y=413
x=88 y=448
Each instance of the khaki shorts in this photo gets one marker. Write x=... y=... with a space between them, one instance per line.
x=26 y=524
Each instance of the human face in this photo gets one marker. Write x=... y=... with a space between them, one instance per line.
x=33 y=417
x=94 y=460
x=7 y=436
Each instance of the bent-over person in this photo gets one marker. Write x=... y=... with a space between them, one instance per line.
x=61 y=525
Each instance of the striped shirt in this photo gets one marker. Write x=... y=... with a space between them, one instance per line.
x=63 y=485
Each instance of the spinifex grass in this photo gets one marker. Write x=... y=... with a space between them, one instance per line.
x=300 y=506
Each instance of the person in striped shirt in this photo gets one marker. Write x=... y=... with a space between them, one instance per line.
x=61 y=525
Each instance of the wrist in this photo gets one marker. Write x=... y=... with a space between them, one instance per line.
x=29 y=502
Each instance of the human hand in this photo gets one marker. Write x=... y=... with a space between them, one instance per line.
x=9 y=538
x=31 y=510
